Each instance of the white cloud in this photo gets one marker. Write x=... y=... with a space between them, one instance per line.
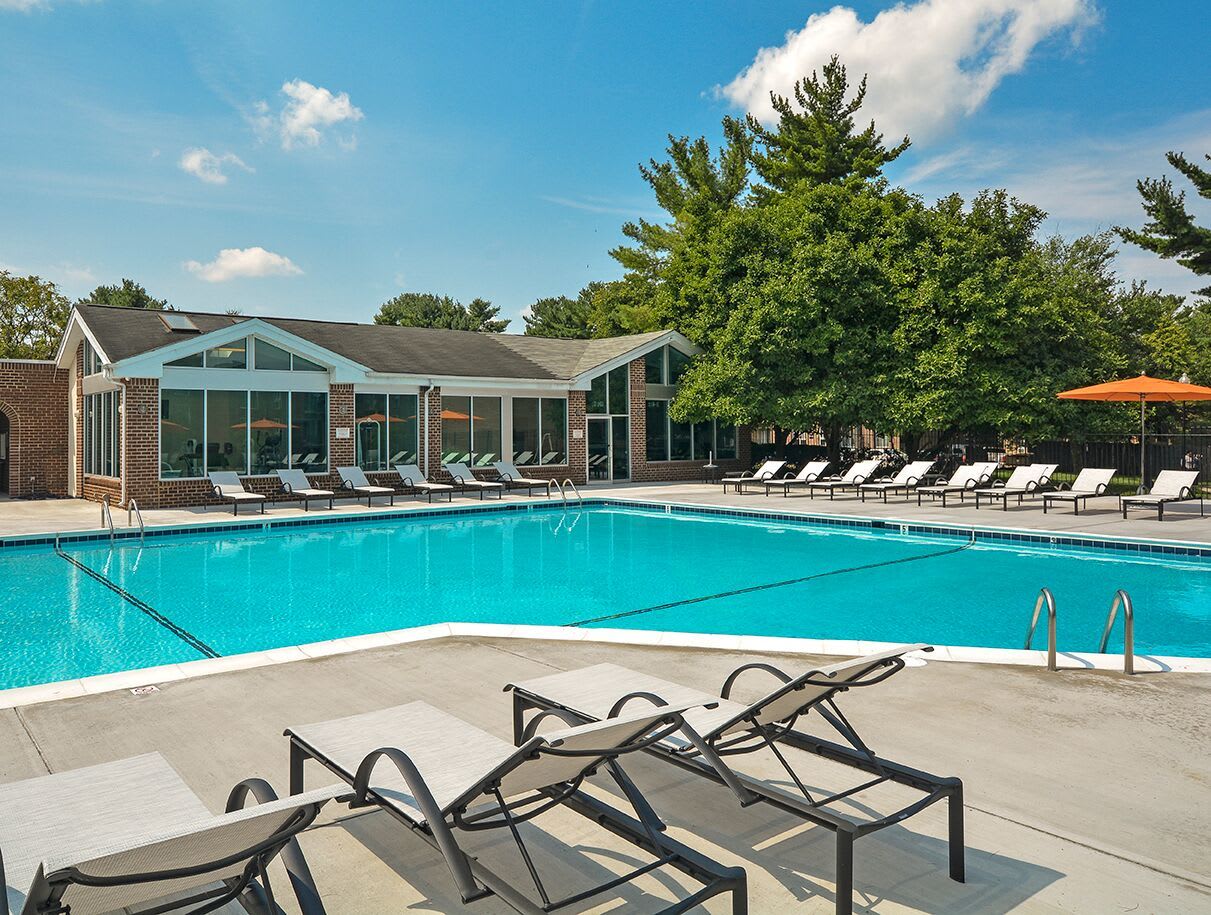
x=202 y=163
x=234 y=263
x=308 y=111
x=929 y=63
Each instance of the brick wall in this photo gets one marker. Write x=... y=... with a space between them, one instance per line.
x=33 y=397
x=671 y=471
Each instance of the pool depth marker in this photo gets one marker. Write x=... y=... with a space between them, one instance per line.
x=183 y=634
x=770 y=585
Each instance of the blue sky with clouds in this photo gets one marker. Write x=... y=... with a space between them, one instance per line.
x=314 y=159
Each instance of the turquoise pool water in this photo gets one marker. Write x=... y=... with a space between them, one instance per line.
x=604 y=566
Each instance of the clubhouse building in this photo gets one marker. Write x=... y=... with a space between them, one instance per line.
x=142 y=405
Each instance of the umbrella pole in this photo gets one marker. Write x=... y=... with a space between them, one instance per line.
x=1143 y=487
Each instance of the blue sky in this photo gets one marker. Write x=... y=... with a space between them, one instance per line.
x=340 y=153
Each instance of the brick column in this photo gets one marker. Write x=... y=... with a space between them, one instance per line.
x=77 y=419
x=33 y=397
x=341 y=452
x=140 y=446
x=432 y=444
x=639 y=420
x=578 y=448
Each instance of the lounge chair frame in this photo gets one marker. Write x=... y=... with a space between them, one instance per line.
x=306 y=496
x=475 y=880
x=1004 y=492
x=907 y=485
x=844 y=481
x=234 y=499
x=737 y=478
x=473 y=484
x=367 y=489
x=415 y=487
x=1065 y=493
x=517 y=482
x=705 y=756
x=945 y=489
x=1185 y=494
x=790 y=479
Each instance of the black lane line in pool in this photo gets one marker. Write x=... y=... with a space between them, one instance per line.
x=772 y=584
x=183 y=634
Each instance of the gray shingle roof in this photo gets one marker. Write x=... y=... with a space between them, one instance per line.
x=127 y=332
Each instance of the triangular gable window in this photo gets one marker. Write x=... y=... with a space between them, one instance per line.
x=260 y=355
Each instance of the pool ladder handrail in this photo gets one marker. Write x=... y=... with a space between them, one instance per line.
x=568 y=482
x=132 y=507
x=1045 y=599
x=1123 y=599
x=107 y=518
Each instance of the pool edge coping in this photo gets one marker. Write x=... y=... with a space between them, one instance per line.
x=98 y=684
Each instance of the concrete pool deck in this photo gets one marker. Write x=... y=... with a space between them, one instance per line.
x=1182 y=521
x=1085 y=791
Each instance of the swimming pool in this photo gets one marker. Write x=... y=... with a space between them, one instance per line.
x=95 y=608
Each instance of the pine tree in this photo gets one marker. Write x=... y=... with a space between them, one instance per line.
x=1171 y=231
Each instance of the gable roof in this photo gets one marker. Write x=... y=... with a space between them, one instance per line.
x=124 y=333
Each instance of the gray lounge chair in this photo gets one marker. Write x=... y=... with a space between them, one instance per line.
x=465 y=481
x=733 y=728
x=859 y=473
x=130 y=836
x=737 y=478
x=228 y=486
x=907 y=479
x=353 y=480
x=414 y=481
x=296 y=485
x=1089 y=484
x=1025 y=480
x=515 y=479
x=966 y=478
x=1169 y=486
x=439 y=775
x=808 y=474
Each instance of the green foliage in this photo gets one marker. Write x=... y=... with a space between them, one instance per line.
x=558 y=316
x=128 y=295
x=426 y=309
x=815 y=139
x=33 y=314
x=1170 y=230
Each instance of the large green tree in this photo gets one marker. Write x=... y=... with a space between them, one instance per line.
x=128 y=294
x=1171 y=230
x=33 y=314
x=560 y=316
x=427 y=309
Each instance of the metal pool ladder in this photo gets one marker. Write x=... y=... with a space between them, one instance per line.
x=568 y=482
x=1122 y=598
x=1047 y=599
x=132 y=507
x=107 y=519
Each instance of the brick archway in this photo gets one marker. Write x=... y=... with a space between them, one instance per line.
x=9 y=452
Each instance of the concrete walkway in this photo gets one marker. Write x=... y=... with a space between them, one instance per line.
x=1086 y=792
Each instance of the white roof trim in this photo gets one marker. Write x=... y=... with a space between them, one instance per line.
x=669 y=337
x=65 y=354
x=151 y=363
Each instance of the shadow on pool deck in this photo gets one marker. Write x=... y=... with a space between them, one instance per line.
x=1086 y=791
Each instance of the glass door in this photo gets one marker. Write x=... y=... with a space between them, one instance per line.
x=620 y=460
x=599 y=449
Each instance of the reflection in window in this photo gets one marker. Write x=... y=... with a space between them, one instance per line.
x=654 y=367
x=554 y=430
x=658 y=430
x=192 y=361
x=233 y=355
x=679 y=441
x=299 y=364
x=485 y=431
x=704 y=440
x=227 y=431
x=525 y=431
x=725 y=442
x=456 y=430
x=268 y=429
x=181 y=433
x=678 y=362
x=371 y=431
x=402 y=430
x=596 y=401
x=309 y=431
x=619 y=393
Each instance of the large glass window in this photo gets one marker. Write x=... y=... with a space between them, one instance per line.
x=192 y=361
x=554 y=430
x=725 y=442
x=268 y=429
x=526 y=431
x=456 y=430
x=271 y=358
x=402 y=430
x=704 y=440
x=678 y=362
x=619 y=392
x=92 y=362
x=226 y=431
x=654 y=367
x=233 y=355
x=486 y=431
x=181 y=433
x=299 y=364
x=657 y=430
x=371 y=431
x=103 y=433
x=596 y=402
x=309 y=431
x=680 y=435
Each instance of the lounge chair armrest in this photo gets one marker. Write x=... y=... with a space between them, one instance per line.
x=767 y=475
x=407 y=481
x=1187 y=492
x=617 y=707
x=506 y=477
x=460 y=868
x=726 y=691
x=218 y=493
x=1066 y=485
x=347 y=485
x=912 y=481
x=287 y=488
x=1101 y=489
x=861 y=479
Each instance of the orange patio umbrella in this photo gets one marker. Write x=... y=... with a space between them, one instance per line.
x=1146 y=390
x=263 y=423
